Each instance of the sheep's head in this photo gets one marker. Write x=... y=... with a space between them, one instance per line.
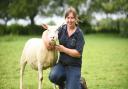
x=52 y=34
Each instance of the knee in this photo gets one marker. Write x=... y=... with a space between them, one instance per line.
x=53 y=77
x=56 y=78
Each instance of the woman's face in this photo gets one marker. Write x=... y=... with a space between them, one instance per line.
x=70 y=20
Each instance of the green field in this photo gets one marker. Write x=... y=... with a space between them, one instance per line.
x=105 y=63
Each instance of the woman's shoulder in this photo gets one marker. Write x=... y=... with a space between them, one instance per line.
x=62 y=28
x=79 y=31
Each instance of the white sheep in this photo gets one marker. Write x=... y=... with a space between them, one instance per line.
x=38 y=56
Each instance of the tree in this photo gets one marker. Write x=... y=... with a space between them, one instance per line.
x=109 y=6
x=58 y=6
x=24 y=8
x=3 y=10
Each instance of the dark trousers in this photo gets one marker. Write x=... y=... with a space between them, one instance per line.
x=66 y=75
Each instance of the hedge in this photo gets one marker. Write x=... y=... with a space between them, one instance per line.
x=21 y=30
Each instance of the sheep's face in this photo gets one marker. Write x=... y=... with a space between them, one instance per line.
x=52 y=34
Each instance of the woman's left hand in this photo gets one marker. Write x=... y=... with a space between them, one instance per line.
x=60 y=48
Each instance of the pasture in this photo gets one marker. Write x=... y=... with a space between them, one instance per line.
x=105 y=63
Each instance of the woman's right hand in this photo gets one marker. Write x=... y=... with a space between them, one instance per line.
x=50 y=47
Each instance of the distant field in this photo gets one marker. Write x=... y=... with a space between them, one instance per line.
x=105 y=63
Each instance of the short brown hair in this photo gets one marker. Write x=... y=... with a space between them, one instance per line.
x=72 y=10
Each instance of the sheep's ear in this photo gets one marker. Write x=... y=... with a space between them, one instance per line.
x=45 y=26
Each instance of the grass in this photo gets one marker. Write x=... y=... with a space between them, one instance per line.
x=105 y=63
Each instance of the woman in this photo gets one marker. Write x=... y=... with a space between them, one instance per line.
x=68 y=69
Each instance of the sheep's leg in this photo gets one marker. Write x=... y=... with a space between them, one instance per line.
x=40 y=76
x=22 y=67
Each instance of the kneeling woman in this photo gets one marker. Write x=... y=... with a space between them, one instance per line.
x=68 y=69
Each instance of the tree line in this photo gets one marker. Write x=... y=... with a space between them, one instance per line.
x=30 y=8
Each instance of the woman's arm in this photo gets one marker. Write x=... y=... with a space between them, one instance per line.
x=70 y=52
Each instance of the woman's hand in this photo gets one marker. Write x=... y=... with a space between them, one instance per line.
x=50 y=47
x=68 y=51
x=60 y=48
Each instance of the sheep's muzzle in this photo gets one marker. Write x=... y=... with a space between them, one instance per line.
x=52 y=42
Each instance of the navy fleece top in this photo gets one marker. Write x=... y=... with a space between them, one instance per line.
x=75 y=41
